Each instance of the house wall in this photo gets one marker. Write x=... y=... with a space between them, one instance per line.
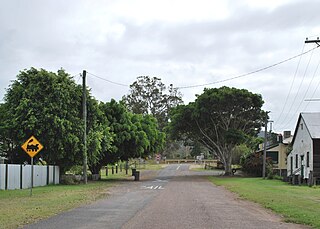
x=283 y=156
x=302 y=144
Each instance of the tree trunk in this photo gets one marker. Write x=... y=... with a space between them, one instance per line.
x=227 y=167
x=95 y=169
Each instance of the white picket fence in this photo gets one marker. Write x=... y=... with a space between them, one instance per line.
x=19 y=176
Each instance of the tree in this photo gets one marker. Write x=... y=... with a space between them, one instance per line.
x=220 y=119
x=48 y=106
x=148 y=96
x=135 y=135
x=99 y=136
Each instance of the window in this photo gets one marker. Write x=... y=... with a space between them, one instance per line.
x=274 y=156
x=308 y=159
x=296 y=160
x=301 y=126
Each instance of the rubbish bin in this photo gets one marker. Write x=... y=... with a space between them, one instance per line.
x=133 y=172
x=137 y=175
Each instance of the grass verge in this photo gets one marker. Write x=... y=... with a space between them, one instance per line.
x=18 y=208
x=298 y=204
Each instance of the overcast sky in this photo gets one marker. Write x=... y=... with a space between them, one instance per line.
x=183 y=42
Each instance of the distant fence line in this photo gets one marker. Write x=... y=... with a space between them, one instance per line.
x=14 y=176
x=179 y=161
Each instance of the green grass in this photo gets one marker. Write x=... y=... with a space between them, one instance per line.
x=298 y=204
x=18 y=208
x=153 y=166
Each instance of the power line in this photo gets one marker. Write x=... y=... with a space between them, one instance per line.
x=109 y=81
x=249 y=73
x=295 y=98
x=292 y=82
x=315 y=90
x=314 y=74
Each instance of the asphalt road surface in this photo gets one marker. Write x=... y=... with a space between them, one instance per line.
x=175 y=198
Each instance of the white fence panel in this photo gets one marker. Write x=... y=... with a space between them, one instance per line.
x=57 y=175
x=51 y=174
x=13 y=176
x=2 y=176
x=26 y=176
x=39 y=176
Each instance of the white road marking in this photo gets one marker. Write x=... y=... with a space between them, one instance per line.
x=178 y=167
x=158 y=180
x=152 y=187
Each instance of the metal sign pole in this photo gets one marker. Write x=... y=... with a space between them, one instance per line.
x=31 y=176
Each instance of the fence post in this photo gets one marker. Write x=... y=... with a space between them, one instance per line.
x=127 y=167
x=6 y=177
x=107 y=171
x=112 y=169
x=54 y=174
x=21 y=175
x=48 y=177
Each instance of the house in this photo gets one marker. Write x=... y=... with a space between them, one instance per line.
x=277 y=150
x=304 y=159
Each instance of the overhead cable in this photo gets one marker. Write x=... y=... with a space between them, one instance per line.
x=249 y=73
x=292 y=82
x=109 y=81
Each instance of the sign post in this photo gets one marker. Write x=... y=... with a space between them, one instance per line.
x=32 y=147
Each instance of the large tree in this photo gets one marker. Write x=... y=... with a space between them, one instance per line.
x=135 y=135
x=47 y=105
x=220 y=119
x=150 y=96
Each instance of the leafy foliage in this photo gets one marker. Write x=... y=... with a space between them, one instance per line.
x=46 y=105
x=49 y=106
x=148 y=96
x=220 y=119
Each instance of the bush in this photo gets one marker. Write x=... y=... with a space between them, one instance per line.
x=252 y=164
x=76 y=170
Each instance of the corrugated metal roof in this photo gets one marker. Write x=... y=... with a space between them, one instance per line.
x=312 y=121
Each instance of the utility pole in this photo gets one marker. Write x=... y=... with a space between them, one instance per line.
x=84 y=108
x=317 y=41
x=265 y=145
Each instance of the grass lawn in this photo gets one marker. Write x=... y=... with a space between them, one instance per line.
x=298 y=204
x=18 y=208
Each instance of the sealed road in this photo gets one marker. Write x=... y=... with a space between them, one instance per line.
x=175 y=198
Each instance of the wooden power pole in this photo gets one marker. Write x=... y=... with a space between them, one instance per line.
x=84 y=112
x=265 y=145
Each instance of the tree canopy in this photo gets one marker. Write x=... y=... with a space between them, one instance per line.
x=220 y=119
x=49 y=106
x=149 y=96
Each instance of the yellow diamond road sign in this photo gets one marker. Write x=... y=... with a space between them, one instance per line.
x=32 y=146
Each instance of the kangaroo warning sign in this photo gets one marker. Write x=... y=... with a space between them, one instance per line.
x=32 y=146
